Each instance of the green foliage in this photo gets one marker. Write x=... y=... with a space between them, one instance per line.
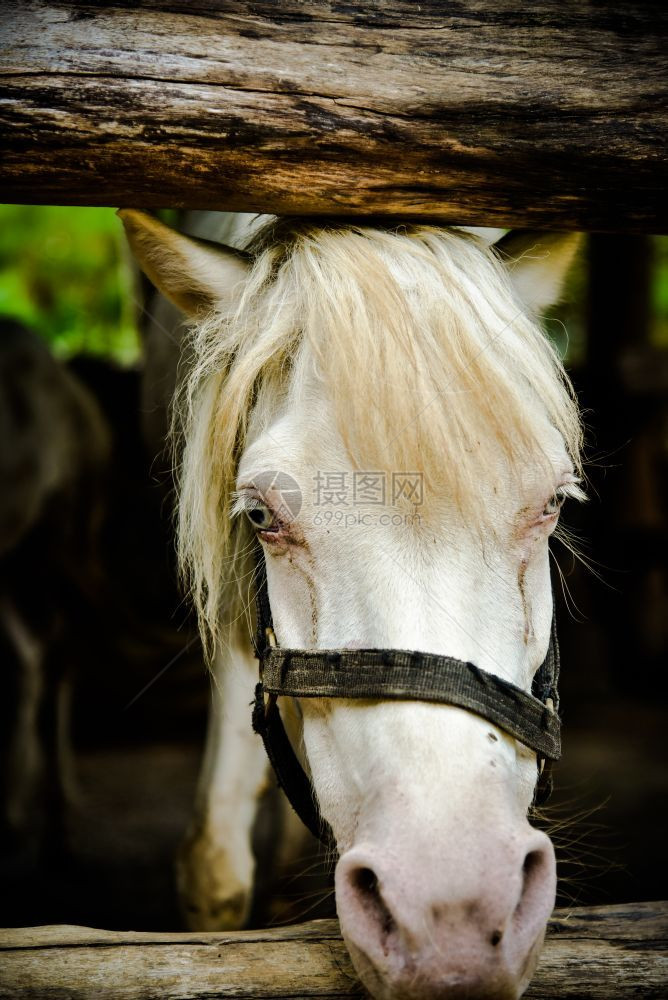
x=659 y=304
x=66 y=273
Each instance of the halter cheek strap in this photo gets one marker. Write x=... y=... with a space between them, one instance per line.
x=393 y=674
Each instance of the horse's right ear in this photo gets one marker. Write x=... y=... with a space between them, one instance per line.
x=194 y=274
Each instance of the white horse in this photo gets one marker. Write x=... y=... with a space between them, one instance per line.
x=400 y=378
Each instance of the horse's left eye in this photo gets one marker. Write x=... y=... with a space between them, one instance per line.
x=261 y=517
x=554 y=505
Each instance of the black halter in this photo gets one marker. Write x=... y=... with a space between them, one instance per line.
x=395 y=674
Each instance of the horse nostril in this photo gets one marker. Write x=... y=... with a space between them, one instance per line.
x=366 y=881
x=496 y=938
x=533 y=873
x=532 y=862
x=365 y=884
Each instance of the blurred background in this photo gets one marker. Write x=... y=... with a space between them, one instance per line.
x=95 y=639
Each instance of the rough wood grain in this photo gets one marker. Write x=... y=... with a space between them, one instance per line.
x=493 y=112
x=598 y=953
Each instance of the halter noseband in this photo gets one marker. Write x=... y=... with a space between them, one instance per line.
x=393 y=674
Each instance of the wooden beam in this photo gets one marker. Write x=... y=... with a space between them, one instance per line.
x=482 y=112
x=595 y=952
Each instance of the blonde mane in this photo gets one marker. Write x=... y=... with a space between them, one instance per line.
x=428 y=357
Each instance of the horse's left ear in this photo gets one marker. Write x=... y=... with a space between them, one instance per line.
x=538 y=264
x=194 y=274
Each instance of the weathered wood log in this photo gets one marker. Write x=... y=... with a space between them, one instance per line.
x=482 y=112
x=593 y=952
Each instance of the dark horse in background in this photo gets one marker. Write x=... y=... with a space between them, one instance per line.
x=88 y=602
x=54 y=454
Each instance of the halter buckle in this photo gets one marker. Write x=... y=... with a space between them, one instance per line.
x=270 y=636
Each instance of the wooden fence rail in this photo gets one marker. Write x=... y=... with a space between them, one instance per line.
x=599 y=953
x=483 y=112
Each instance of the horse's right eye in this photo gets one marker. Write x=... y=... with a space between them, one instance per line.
x=261 y=517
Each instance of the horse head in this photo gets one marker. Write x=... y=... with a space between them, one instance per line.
x=378 y=408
